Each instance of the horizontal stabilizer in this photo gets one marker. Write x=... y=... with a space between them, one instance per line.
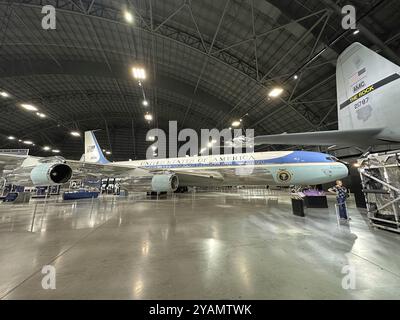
x=360 y=137
x=15 y=152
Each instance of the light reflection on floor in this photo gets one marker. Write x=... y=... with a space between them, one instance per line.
x=215 y=245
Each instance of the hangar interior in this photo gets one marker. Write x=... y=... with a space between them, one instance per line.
x=207 y=64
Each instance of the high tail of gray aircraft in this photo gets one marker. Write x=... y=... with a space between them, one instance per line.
x=368 y=94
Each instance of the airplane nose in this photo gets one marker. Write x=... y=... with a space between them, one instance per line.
x=342 y=170
x=336 y=170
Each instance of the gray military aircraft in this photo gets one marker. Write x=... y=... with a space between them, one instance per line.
x=368 y=94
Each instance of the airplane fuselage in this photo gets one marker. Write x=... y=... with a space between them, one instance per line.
x=261 y=168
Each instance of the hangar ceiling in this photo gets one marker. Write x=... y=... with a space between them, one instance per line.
x=208 y=63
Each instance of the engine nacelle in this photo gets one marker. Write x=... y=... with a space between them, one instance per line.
x=47 y=174
x=164 y=183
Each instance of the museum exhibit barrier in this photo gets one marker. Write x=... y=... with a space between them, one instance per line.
x=81 y=194
x=17 y=197
x=315 y=198
x=298 y=206
x=380 y=178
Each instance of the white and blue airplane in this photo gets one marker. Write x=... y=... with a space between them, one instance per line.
x=283 y=168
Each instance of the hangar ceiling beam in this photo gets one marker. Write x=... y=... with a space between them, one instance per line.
x=205 y=61
x=197 y=119
x=293 y=102
x=306 y=113
x=190 y=40
x=16 y=69
x=300 y=40
x=168 y=32
x=312 y=88
x=300 y=76
x=82 y=119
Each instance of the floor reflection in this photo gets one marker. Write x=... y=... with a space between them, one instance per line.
x=216 y=245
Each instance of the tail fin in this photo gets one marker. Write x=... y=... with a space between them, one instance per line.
x=93 y=152
x=368 y=89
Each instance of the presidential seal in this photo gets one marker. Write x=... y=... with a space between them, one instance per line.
x=284 y=176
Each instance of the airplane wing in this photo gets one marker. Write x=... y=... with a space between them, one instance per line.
x=10 y=161
x=186 y=176
x=198 y=178
x=82 y=169
x=87 y=169
x=324 y=138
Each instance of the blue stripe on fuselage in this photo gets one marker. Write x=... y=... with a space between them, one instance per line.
x=292 y=158
x=304 y=157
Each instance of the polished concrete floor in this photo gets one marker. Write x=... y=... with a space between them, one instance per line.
x=213 y=245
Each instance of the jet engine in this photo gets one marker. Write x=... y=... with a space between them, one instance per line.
x=164 y=183
x=151 y=183
x=46 y=174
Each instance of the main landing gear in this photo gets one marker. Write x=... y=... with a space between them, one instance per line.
x=182 y=190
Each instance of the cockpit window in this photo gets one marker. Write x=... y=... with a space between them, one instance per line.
x=332 y=158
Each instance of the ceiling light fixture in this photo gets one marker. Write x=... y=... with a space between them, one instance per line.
x=295 y=77
x=4 y=94
x=40 y=115
x=139 y=73
x=75 y=134
x=145 y=103
x=46 y=148
x=148 y=117
x=55 y=151
x=235 y=123
x=29 y=107
x=356 y=32
x=11 y=138
x=275 y=92
x=128 y=16
x=108 y=152
x=28 y=142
